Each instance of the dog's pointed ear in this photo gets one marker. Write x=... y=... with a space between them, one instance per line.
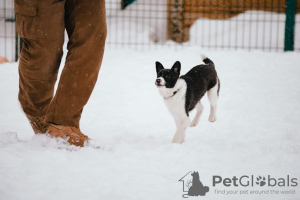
x=176 y=67
x=159 y=67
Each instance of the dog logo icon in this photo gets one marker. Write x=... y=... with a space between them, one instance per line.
x=192 y=185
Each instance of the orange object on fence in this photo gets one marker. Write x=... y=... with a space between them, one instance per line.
x=3 y=60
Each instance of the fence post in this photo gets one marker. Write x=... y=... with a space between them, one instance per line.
x=290 y=25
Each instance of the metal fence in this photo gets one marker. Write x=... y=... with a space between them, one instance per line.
x=7 y=30
x=216 y=24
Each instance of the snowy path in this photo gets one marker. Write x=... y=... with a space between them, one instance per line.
x=257 y=132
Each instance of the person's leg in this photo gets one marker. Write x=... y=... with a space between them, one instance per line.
x=41 y=25
x=86 y=26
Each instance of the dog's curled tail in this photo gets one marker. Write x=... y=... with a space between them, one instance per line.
x=207 y=61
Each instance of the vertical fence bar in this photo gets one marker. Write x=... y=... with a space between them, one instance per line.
x=290 y=25
x=5 y=33
x=17 y=41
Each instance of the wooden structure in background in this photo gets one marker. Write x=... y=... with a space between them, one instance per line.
x=183 y=13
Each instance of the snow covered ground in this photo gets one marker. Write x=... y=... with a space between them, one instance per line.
x=257 y=132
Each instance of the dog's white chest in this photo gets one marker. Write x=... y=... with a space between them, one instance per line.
x=176 y=103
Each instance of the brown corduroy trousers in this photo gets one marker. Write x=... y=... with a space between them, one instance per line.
x=42 y=23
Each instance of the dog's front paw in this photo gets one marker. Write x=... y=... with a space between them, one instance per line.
x=178 y=140
x=212 y=118
x=194 y=123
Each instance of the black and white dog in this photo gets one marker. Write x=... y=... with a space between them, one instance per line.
x=183 y=94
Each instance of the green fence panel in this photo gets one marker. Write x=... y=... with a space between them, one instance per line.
x=290 y=25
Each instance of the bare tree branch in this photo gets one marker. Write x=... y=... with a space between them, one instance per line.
x=188 y=184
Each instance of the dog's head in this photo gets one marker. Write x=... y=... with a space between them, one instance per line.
x=195 y=175
x=167 y=77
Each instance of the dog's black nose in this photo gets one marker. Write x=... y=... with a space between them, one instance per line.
x=158 y=81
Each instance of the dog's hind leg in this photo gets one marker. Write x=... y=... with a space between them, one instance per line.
x=181 y=123
x=212 y=95
x=199 y=109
